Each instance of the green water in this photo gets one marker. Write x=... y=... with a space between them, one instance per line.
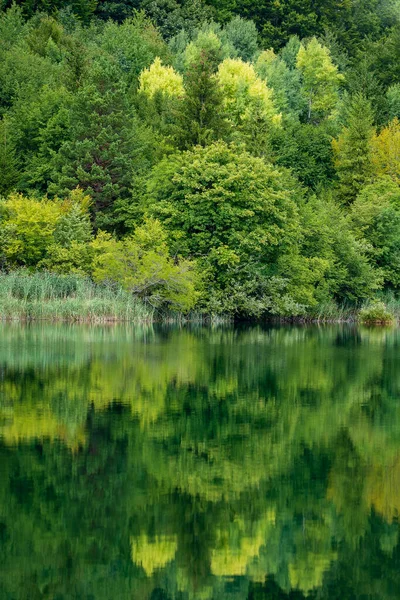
x=176 y=464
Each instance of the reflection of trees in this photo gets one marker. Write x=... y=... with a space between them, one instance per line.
x=198 y=462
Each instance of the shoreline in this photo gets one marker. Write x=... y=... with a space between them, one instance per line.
x=50 y=297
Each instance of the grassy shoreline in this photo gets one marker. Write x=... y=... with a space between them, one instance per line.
x=73 y=298
x=44 y=296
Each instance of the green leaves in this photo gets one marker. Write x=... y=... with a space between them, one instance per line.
x=234 y=213
x=32 y=230
x=353 y=149
x=141 y=265
x=320 y=79
x=375 y=216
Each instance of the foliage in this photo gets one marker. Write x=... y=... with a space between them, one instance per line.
x=250 y=253
x=393 y=98
x=307 y=150
x=27 y=229
x=133 y=45
x=207 y=46
x=173 y=16
x=100 y=142
x=104 y=96
x=242 y=35
x=320 y=79
x=328 y=234
x=8 y=160
x=353 y=149
x=284 y=81
x=386 y=151
x=276 y=22
x=375 y=216
x=142 y=266
x=375 y=312
x=241 y=88
x=200 y=117
x=34 y=231
x=158 y=78
x=248 y=103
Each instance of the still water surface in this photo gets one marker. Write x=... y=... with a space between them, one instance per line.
x=176 y=464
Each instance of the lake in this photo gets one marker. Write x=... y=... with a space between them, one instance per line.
x=167 y=463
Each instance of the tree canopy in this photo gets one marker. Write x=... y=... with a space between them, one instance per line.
x=241 y=129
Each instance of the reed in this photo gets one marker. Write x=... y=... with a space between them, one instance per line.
x=52 y=297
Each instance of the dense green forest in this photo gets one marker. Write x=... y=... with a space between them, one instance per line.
x=226 y=157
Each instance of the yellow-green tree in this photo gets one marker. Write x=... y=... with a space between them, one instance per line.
x=321 y=79
x=141 y=264
x=386 y=151
x=160 y=78
x=248 y=103
x=28 y=228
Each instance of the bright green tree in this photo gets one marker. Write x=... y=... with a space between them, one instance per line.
x=386 y=151
x=200 y=117
x=160 y=79
x=320 y=79
x=248 y=103
x=141 y=264
x=28 y=227
x=46 y=232
x=238 y=216
x=353 y=149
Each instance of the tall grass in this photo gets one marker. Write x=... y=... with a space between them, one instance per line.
x=392 y=304
x=387 y=303
x=48 y=296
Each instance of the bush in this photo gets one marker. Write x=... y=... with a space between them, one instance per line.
x=33 y=230
x=141 y=265
x=375 y=312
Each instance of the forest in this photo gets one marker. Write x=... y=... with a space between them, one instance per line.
x=222 y=157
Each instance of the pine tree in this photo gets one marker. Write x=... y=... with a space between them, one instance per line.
x=97 y=157
x=353 y=149
x=200 y=118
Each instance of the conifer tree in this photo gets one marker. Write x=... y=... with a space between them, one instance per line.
x=353 y=149
x=97 y=157
x=200 y=118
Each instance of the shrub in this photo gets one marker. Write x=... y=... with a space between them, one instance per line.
x=141 y=265
x=375 y=312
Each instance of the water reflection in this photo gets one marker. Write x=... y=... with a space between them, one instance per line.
x=199 y=463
